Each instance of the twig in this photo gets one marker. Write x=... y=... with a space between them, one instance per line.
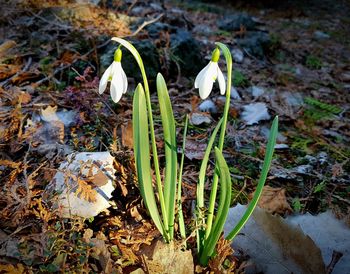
x=53 y=74
x=50 y=22
x=67 y=66
x=131 y=6
x=341 y=199
x=25 y=68
x=144 y=24
x=336 y=256
x=26 y=175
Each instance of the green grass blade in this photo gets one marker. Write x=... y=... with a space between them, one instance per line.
x=179 y=186
x=223 y=208
x=142 y=157
x=200 y=188
x=204 y=164
x=266 y=166
x=169 y=131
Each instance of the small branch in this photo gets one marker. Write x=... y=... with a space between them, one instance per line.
x=67 y=66
x=341 y=199
x=50 y=22
x=143 y=25
x=336 y=256
x=25 y=68
x=27 y=181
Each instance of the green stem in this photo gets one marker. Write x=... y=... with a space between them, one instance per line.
x=138 y=59
x=214 y=188
x=179 y=202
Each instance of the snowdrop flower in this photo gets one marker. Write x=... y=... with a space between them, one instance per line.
x=208 y=75
x=116 y=75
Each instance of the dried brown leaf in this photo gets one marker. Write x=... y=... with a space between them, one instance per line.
x=168 y=258
x=85 y=190
x=7 y=70
x=224 y=250
x=274 y=200
x=127 y=135
x=40 y=211
x=195 y=150
x=6 y=46
x=12 y=269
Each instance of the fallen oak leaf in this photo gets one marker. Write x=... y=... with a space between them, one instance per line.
x=195 y=150
x=274 y=245
x=274 y=200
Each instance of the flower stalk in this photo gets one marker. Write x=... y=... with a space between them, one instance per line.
x=228 y=58
x=138 y=59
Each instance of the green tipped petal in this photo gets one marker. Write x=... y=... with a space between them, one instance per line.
x=118 y=55
x=215 y=55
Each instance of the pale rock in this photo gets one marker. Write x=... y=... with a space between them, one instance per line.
x=281 y=146
x=208 y=106
x=234 y=94
x=237 y=55
x=256 y=91
x=197 y=119
x=322 y=157
x=320 y=35
x=303 y=169
x=94 y=169
x=254 y=113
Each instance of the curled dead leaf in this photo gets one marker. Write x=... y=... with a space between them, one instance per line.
x=195 y=149
x=169 y=258
x=127 y=136
x=274 y=200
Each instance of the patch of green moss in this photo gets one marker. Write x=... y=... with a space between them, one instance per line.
x=239 y=79
x=313 y=62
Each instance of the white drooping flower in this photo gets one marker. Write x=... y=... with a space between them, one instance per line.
x=116 y=75
x=208 y=75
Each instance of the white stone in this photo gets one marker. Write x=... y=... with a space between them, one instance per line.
x=257 y=91
x=237 y=55
x=94 y=169
x=255 y=112
x=321 y=35
x=234 y=94
x=281 y=146
x=208 y=106
x=197 y=119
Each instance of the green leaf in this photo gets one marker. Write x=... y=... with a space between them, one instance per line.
x=142 y=156
x=168 y=123
x=223 y=208
x=226 y=52
x=204 y=164
x=179 y=186
x=200 y=187
x=266 y=166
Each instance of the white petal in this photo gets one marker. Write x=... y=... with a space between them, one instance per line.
x=117 y=84
x=200 y=75
x=125 y=80
x=222 y=83
x=104 y=79
x=205 y=84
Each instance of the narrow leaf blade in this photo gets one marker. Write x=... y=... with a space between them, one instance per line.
x=266 y=166
x=168 y=123
x=142 y=155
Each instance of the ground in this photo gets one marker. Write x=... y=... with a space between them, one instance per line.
x=292 y=58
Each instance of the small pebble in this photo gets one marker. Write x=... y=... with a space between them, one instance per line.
x=208 y=106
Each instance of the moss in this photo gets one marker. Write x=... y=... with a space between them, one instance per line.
x=239 y=79
x=313 y=62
